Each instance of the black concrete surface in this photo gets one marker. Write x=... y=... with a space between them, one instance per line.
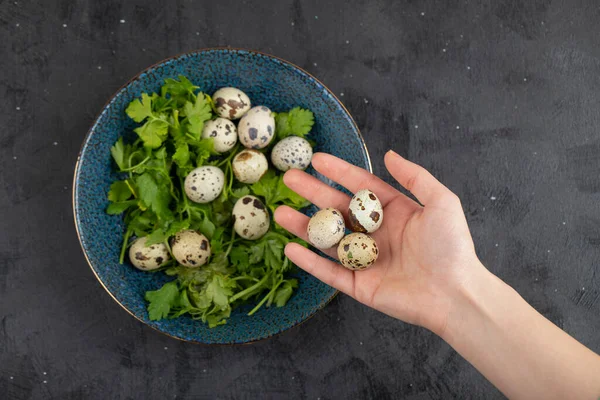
x=499 y=99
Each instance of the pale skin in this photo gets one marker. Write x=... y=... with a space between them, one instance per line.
x=428 y=274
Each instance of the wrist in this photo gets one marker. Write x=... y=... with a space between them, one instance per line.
x=472 y=302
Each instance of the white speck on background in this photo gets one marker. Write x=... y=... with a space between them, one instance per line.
x=65 y=187
x=457 y=127
x=366 y=101
x=555 y=290
x=18 y=108
x=542 y=22
x=293 y=377
x=361 y=343
x=203 y=370
x=493 y=198
x=112 y=33
x=583 y=288
x=293 y=23
x=55 y=143
x=461 y=36
x=69 y=84
x=535 y=153
x=122 y=21
x=166 y=348
x=45 y=373
x=197 y=33
x=17 y=25
x=99 y=66
x=12 y=377
x=315 y=64
x=416 y=126
x=468 y=67
x=350 y=75
x=422 y=14
x=45 y=381
x=524 y=79
x=444 y=50
x=347 y=42
x=483 y=208
x=496 y=244
x=516 y=107
x=64 y=25
x=548 y=251
x=564 y=223
x=342 y=94
x=316 y=17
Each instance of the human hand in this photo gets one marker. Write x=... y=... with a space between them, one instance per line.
x=426 y=253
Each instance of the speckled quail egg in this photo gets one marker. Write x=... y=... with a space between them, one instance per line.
x=150 y=257
x=326 y=228
x=204 y=184
x=365 y=212
x=231 y=103
x=223 y=132
x=291 y=152
x=256 y=129
x=249 y=166
x=250 y=218
x=190 y=248
x=357 y=251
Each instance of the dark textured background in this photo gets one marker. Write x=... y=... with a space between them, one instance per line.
x=499 y=99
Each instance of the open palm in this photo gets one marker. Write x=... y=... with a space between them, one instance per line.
x=424 y=250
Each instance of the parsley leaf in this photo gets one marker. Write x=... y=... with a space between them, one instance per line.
x=153 y=132
x=155 y=196
x=162 y=300
x=285 y=291
x=179 y=90
x=120 y=153
x=138 y=110
x=120 y=207
x=197 y=113
x=119 y=191
x=298 y=122
x=275 y=192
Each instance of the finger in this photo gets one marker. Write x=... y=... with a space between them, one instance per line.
x=296 y=223
x=415 y=179
x=315 y=191
x=352 y=177
x=327 y=271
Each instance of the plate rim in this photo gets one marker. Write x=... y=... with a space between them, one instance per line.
x=137 y=76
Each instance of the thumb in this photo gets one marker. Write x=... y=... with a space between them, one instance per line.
x=415 y=179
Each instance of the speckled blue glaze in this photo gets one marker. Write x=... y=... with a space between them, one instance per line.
x=268 y=81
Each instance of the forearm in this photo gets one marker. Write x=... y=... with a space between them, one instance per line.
x=515 y=347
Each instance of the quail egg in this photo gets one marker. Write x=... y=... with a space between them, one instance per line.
x=150 y=257
x=231 y=103
x=250 y=218
x=256 y=129
x=249 y=166
x=204 y=184
x=365 y=212
x=190 y=248
x=291 y=152
x=326 y=228
x=357 y=251
x=223 y=132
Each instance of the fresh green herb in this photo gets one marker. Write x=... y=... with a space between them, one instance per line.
x=296 y=122
x=151 y=197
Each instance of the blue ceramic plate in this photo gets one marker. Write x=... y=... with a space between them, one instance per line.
x=268 y=81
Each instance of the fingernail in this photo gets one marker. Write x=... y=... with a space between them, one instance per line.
x=392 y=152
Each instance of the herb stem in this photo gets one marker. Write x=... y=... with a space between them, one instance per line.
x=249 y=290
